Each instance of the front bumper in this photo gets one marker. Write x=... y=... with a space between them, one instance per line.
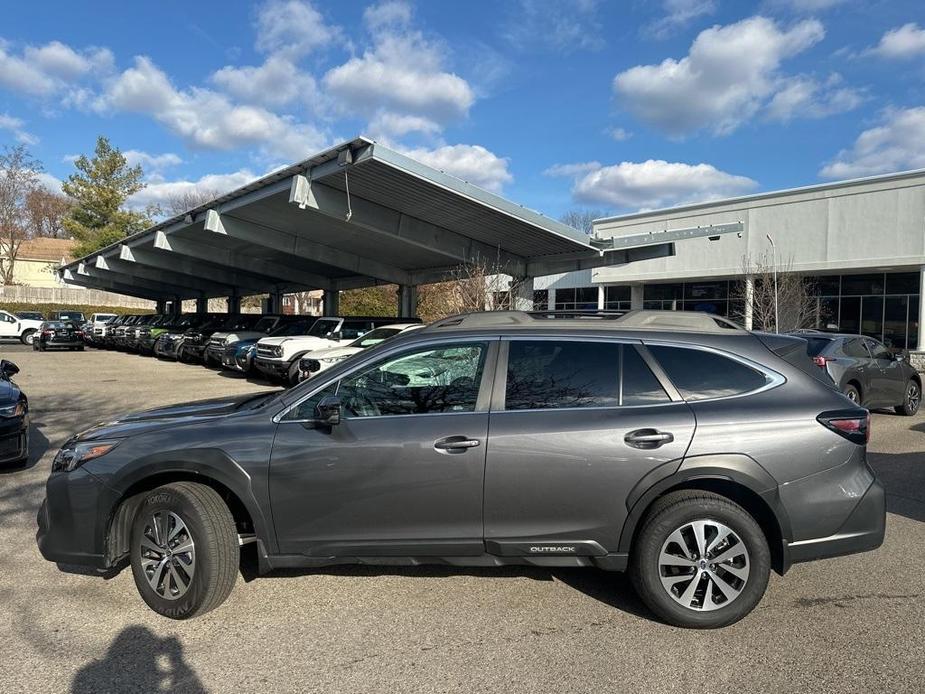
x=214 y=353
x=272 y=367
x=14 y=439
x=862 y=531
x=73 y=519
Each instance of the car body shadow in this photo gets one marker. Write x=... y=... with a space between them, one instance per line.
x=38 y=446
x=138 y=660
x=903 y=478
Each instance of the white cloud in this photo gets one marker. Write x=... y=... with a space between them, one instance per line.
x=162 y=192
x=207 y=119
x=651 y=184
x=16 y=126
x=728 y=75
x=275 y=83
x=808 y=98
x=809 y=6
x=293 y=28
x=387 y=14
x=385 y=125
x=151 y=162
x=563 y=25
x=403 y=74
x=619 y=134
x=472 y=163
x=902 y=43
x=678 y=14
x=572 y=170
x=50 y=69
x=897 y=144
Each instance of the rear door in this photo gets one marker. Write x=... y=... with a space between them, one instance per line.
x=569 y=438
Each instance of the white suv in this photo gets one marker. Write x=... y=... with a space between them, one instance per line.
x=20 y=328
x=278 y=357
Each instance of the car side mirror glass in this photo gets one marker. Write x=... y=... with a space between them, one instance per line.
x=328 y=411
x=8 y=368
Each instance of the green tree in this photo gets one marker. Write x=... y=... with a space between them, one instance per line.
x=99 y=188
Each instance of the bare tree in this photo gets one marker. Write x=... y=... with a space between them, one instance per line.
x=583 y=220
x=18 y=178
x=797 y=306
x=46 y=211
x=482 y=285
x=181 y=203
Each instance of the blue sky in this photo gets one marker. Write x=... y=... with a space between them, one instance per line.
x=567 y=104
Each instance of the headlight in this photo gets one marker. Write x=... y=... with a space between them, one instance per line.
x=16 y=410
x=331 y=360
x=69 y=458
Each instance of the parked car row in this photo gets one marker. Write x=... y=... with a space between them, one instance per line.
x=279 y=347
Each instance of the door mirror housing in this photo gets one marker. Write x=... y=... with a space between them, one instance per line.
x=8 y=368
x=328 y=411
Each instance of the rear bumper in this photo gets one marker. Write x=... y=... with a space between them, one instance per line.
x=862 y=531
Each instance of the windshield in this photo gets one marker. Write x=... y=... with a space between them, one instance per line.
x=323 y=327
x=299 y=327
x=374 y=337
x=265 y=325
x=816 y=345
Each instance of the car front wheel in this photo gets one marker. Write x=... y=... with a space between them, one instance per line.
x=911 y=400
x=28 y=337
x=184 y=550
x=700 y=560
x=852 y=394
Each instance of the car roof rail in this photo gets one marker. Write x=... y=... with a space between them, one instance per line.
x=696 y=321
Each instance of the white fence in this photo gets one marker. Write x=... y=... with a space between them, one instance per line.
x=69 y=296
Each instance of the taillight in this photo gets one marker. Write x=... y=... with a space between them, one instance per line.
x=854 y=425
x=821 y=361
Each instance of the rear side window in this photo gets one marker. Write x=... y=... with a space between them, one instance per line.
x=699 y=374
x=816 y=345
x=640 y=387
x=550 y=374
x=855 y=348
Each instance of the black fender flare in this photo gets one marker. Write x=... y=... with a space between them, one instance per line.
x=210 y=464
x=732 y=467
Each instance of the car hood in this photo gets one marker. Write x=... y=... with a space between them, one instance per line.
x=239 y=335
x=148 y=420
x=302 y=341
x=332 y=352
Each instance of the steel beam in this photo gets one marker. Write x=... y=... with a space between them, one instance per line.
x=180 y=265
x=390 y=223
x=160 y=288
x=301 y=247
x=132 y=269
x=71 y=277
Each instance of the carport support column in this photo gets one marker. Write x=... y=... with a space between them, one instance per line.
x=330 y=302
x=234 y=304
x=522 y=294
x=637 y=292
x=407 y=300
x=161 y=306
x=749 y=301
x=202 y=305
x=274 y=302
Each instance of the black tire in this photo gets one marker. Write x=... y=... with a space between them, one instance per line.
x=912 y=399
x=674 y=511
x=852 y=394
x=80 y=349
x=27 y=337
x=293 y=378
x=216 y=560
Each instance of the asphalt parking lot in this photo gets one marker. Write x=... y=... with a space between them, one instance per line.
x=842 y=625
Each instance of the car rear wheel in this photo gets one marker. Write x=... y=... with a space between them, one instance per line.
x=184 y=550
x=852 y=394
x=294 y=373
x=700 y=560
x=28 y=337
x=912 y=399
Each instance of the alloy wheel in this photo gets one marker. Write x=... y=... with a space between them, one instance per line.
x=852 y=395
x=703 y=565
x=168 y=554
x=913 y=397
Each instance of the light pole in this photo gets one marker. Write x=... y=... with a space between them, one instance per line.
x=774 y=260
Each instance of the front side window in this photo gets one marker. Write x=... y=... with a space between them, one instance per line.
x=424 y=381
x=323 y=328
x=553 y=374
x=699 y=374
x=374 y=337
x=877 y=350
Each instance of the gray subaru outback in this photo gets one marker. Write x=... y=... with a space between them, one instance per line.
x=693 y=454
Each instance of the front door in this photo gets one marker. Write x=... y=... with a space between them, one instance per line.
x=402 y=473
x=569 y=441
x=888 y=376
x=8 y=325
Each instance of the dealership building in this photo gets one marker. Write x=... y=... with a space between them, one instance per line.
x=861 y=243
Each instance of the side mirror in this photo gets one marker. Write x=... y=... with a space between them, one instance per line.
x=8 y=368
x=327 y=412
x=336 y=335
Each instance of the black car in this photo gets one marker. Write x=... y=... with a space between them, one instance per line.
x=866 y=371
x=698 y=457
x=14 y=417
x=59 y=334
x=76 y=316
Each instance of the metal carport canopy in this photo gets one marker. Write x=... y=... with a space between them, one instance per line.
x=355 y=215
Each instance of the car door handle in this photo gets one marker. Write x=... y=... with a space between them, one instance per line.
x=455 y=444
x=648 y=438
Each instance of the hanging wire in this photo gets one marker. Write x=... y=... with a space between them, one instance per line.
x=347 y=184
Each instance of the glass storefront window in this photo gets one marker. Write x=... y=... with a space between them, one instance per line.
x=895 y=321
x=913 y=339
x=902 y=283
x=653 y=292
x=540 y=299
x=576 y=299
x=872 y=316
x=854 y=285
x=849 y=320
x=706 y=290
